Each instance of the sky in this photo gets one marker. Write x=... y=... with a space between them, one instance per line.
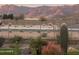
x=36 y=5
x=38 y=2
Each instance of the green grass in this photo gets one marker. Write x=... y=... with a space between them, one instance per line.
x=73 y=53
x=11 y=51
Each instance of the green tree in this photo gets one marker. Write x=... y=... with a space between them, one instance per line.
x=36 y=45
x=2 y=40
x=64 y=38
x=16 y=39
x=4 y=16
x=10 y=16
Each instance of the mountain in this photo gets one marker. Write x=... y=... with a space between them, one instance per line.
x=14 y=9
x=48 y=11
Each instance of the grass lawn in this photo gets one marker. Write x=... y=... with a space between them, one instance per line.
x=9 y=51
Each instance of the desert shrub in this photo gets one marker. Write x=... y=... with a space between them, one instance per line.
x=16 y=39
x=44 y=34
x=51 y=49
x=73 y=51
x=36 y=45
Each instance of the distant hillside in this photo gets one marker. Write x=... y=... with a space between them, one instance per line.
x=49 y=11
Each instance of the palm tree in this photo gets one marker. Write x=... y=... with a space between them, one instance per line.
x=71 y=28
x=54 y=28
x=0 y=25
x=42 y=19
x=54 y=31
x=16 y=25
x=9 y=29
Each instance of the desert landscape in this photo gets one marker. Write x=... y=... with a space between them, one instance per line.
x=39 y=30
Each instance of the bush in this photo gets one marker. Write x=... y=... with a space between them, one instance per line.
x=73 y=51
x=2 y=40
x=51 y=49
x=36 y=45
x=44 y=34
x=16 y=39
